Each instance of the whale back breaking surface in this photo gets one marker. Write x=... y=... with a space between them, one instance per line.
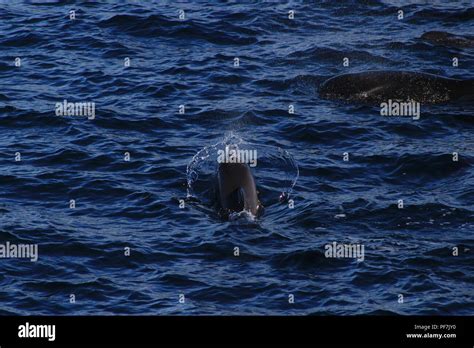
x=379 y=86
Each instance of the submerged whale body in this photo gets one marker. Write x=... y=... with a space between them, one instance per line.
x=237 y=190
x=379 y=86
x=447 y=39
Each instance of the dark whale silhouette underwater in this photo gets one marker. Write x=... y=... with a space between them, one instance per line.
x=448 y=39
x=379 y=86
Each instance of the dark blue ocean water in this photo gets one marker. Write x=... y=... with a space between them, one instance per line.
x=190 y=251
